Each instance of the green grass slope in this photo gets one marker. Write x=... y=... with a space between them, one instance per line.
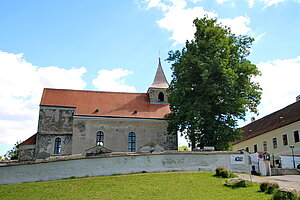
x=171 y=185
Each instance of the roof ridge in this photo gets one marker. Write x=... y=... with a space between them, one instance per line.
x=93 y=91
x=280 y=118
x=273 y=113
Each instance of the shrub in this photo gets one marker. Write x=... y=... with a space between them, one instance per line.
x=268 y=187
x=285 y=195
x=225 y=173
x=219 y=169
x=263 y=186
x=298 y=166
x=222 y=172
x=272 y=187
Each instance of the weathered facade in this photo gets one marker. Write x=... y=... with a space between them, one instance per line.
x=78 y=122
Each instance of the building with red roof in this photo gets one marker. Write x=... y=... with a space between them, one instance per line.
x=91 y=122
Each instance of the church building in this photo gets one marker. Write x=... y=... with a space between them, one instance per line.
x=92 y=122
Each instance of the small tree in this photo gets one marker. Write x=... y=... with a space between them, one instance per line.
x=13 y=153
x=183 y=148
x=212 y=86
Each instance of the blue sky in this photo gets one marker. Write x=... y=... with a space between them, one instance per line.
x=114 y=45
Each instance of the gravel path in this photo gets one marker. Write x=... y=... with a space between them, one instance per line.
x=290 y=182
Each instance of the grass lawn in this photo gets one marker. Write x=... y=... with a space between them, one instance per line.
x=170 y=185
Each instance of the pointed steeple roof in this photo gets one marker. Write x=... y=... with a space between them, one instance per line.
x=160 y=80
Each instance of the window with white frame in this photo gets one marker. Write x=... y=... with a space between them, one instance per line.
x=265 y=146
x=285 y=140
x=131 y=142
x=274 y=143
x=57 y=146
x=255 y=148
x=100 y=138
x=296 y=136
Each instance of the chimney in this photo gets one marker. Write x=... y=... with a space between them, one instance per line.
x=298 y=98
x=252 y=119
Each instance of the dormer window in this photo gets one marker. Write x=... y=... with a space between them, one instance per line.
x=161 y=97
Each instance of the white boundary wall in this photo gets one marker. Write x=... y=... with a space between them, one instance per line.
x=102 y=166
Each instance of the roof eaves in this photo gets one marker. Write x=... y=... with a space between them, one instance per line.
x=117 y=117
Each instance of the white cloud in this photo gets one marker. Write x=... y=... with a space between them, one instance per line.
x=64 y=78
x=196 y=1
x=113 y=80
x=269 y=3
x=155 y=4
x=279 y=82
x=221 y=1
x=21 y=86
x=166 y=4
x=259 y=37
x=238 y=25
x=250 y=3
x=178 y=19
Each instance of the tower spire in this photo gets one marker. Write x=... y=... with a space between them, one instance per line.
x=158 y=90
x=160 y=80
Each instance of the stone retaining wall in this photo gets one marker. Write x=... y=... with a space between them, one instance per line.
x=120 y=164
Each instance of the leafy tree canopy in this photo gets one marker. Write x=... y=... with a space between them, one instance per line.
x=212 y=85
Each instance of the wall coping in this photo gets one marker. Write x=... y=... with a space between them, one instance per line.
x=116 y=154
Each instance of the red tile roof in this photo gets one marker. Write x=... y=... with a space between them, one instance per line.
x=111 y=104
x=31 y=140
x=280 y=118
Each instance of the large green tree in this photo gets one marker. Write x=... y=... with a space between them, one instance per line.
x=212 y=86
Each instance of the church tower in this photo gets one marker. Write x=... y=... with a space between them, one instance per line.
x=158 y=90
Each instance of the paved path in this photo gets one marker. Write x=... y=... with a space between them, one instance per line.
x=290 y=182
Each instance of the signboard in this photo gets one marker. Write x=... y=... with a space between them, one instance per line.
x=237 y=159
x=208 y=148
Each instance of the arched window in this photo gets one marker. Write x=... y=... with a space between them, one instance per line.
x=161 y=96
x=57 y=146
x=131 y=142
x=100 y=138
